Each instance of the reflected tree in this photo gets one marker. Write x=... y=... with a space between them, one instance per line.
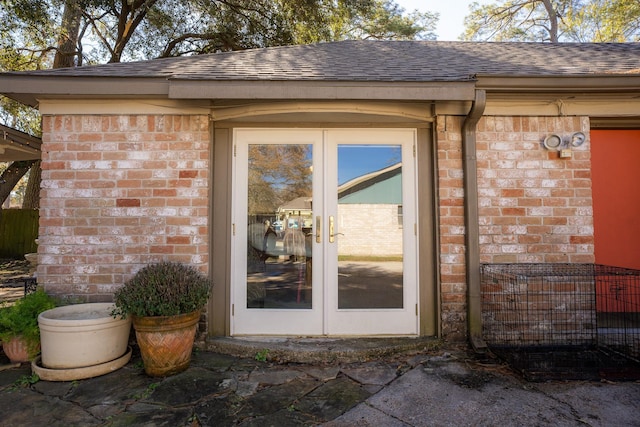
x=278 y=174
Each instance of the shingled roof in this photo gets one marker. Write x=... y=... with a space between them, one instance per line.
x=348 y=70
x=390 y=61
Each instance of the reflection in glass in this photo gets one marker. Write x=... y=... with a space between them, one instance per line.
x=369 y=227
x=279 y=226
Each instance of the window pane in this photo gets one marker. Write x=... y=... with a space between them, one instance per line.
x=369 y=227
x=279 y=221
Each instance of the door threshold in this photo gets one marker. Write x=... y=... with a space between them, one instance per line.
x=320 y=349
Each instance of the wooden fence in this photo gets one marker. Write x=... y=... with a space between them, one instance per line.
x=18 y=231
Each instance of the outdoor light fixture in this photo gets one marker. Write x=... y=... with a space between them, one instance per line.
x=577 y=139
x=552 y=142
x=555 y=142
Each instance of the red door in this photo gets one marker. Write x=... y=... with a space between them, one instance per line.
x=615 y=165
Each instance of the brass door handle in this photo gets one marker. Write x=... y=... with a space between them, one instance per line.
x=331 y=229
x=332 y=233
x=318 y=229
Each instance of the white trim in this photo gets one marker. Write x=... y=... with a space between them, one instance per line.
x=324 y=318
x=411 y=111
x=622 y=107
x=563 y=107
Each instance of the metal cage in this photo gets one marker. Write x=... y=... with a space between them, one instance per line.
x=563 y=321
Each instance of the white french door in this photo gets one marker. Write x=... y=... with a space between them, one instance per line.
x=324 y=232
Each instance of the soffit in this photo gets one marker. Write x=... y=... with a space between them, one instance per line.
x=17 y=146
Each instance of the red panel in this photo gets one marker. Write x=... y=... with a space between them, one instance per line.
x=615 y=160
x=617 y=294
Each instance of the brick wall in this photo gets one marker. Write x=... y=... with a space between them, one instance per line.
x=123 y=191
x=452 y=241
x=119 y=192
x=369 y=230
x=533 y=206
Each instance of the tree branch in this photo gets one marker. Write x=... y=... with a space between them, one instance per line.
x=553 y=20
x=11 y=176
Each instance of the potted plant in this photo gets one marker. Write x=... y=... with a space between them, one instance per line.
x=19 y=330
x=164 y=301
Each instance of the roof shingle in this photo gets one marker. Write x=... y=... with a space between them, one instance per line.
x=382 y=61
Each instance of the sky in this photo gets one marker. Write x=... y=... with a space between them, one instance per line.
x=358 y=160
x=452 y=13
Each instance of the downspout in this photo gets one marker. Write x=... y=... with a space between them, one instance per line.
x=471 y=218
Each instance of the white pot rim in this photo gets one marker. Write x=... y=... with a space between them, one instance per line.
x=79 y=314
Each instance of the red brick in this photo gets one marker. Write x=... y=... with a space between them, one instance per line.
x=178 y=240
x=164 y=192
x=127 y=203
x=512 y=192
x=514 y=211
x=161 y=249
x=188 y=174
x=580 y=240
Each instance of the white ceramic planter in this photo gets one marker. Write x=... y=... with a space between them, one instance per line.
x=82 y=335
x=73 y=374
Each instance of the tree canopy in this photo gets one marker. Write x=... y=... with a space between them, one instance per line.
x=99 y=31
x=41 y=34
x=554 y=21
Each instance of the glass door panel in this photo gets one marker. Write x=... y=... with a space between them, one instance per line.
x=371 y=253
x=370 y=269
x=275 y=290
x=279 y=226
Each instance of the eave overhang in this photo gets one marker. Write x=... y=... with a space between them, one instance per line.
x=17 y=146
x=594 y=96
x=601 y=83
x=28 y=89
x=321 y=90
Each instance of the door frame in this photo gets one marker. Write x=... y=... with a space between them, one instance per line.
x=324 y=317
x=218 y=309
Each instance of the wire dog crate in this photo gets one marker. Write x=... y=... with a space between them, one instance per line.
x=563 y=321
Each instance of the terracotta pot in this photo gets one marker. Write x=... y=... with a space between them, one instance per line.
x=81 y=335
x=166 y=342
x=17 y=350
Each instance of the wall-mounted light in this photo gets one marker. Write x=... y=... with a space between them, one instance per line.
x=577 y=139
x=562 y=145
x=553 y=142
